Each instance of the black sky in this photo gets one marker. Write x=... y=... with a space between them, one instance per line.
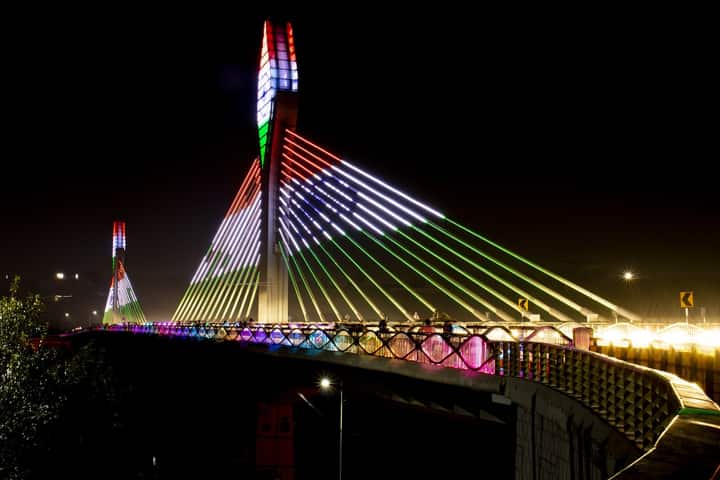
x=587 y=145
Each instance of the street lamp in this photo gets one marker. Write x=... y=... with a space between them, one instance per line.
x=60 y=276
x=628 y=275
x=326 y=384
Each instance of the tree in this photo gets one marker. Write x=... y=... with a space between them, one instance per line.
x=36 y=382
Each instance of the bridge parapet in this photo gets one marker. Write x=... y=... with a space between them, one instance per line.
x=637 y=401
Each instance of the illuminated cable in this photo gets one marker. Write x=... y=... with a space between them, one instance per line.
x=294 y=282
x=560 y=279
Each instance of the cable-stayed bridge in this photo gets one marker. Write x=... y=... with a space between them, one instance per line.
x=313 y=237
x=318 y=254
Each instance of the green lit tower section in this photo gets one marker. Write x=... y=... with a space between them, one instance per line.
x=276 y=113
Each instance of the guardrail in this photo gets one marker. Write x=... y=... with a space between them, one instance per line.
x=637 y=401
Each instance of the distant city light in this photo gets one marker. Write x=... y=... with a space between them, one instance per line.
x=628 y=275
x=59 y=275
x=67 y=315
x=77 y=276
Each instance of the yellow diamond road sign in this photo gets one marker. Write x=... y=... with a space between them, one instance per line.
x=686 y=299
x=524 y=304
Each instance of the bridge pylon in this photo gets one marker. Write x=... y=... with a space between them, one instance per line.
x=313 y=236
x=276 y=113
x=244 y=262
x=273 y=286
x=122 y=304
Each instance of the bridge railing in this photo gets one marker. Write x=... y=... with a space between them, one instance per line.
x=639 y=402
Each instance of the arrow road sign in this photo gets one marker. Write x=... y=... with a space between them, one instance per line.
x=686 y=299
x=524 y=304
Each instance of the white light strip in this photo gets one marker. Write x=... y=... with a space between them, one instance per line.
x=241 y=256
x=238 y=232
x=394 y=190
x=236 y=219
x=341 y=205
x=286 y=216
x=376 y=216
x=379 y=194
x=384 y=209
x=350 y=222
x=373 y=227
x=233 y=289
x=239 y=219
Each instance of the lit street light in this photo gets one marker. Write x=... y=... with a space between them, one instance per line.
x=326 y=385
x=60 y=276
x=628 y=275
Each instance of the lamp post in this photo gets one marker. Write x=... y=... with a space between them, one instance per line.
x=326 y=384
x=629 y=277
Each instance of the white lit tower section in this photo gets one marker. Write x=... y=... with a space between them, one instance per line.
x=276 y=113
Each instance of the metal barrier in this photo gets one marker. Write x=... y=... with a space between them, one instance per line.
x=637 y=401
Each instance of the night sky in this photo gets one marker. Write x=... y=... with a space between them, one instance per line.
x=587 y=148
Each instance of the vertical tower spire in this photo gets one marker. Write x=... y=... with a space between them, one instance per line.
x=122 y=305
x=244 y=262
x=277 y=112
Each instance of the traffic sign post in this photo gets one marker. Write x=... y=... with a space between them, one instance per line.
x=686 y=302
x=524 y=305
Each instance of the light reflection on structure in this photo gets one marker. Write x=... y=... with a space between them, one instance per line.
x=678 y=336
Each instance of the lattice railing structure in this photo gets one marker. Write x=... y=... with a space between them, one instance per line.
x=639 y=402
x=467 y=352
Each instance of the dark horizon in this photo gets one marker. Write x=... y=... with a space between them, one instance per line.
x=583 y=149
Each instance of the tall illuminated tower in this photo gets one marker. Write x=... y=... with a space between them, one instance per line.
x=276 y=113
x=122 y=304
x=243 y=263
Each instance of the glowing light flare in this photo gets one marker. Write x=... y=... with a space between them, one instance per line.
x=679 y=335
